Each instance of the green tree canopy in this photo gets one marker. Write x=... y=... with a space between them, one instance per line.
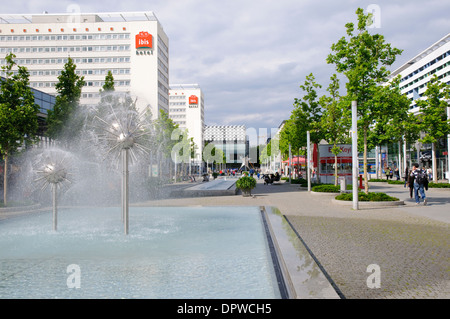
x=304 y=117
x=311 y=108
x=363 y=58
x=433 y=115
x=164 y=126
x=109 y=83
x=334 y=123
x=212 y=154
x=18 y=113
x=62 y=124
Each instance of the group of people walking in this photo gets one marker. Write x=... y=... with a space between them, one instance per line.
x=417 y=180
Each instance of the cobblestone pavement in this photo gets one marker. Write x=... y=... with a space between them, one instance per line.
x=413 y=256
x=410 y=244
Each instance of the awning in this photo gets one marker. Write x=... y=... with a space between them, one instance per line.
x=295 y=160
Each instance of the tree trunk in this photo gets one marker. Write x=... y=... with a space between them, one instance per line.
x=5 y=179
x=366 y=179
x=335 y=170
x=433 y=162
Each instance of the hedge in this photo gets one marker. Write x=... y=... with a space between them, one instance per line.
x=396 y=182
x=326 y=188
x=438 y=185
x=371 y=197
x=430 y=184
x=329 y=188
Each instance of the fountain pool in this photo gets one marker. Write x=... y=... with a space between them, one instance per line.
x=172 y=252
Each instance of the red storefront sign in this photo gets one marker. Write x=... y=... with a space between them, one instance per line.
x=144 y=40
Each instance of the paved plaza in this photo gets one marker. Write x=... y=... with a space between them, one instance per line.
x=409 y=243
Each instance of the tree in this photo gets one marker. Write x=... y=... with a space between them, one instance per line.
x=18 y=114
x=395 y=124
x=433 y=118
x=164 y=127
x=107 y=88
x=293 y=133
x=109 y=83
x=62 y=124
x=334 y=121
x=310 y=106
x=212 y=154
x=304 y=117
x=363 y=59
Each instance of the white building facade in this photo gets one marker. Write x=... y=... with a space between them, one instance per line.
x=415 y=75
x=416 y=72
x=231 y=139
x=133 y=46
x=187 y=109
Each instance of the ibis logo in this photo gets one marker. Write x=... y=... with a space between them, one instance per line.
x=193 y=99
x=144 y=40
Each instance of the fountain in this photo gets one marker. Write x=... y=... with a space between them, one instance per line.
x=123 y=132
x=171 y=253
x=53 y=168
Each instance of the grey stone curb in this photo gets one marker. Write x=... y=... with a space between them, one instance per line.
x=371 y=204
x=19 y=208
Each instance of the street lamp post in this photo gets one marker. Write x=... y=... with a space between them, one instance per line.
x=355 y=162
x=448 y=145
x=308 y=153
x=290 y=164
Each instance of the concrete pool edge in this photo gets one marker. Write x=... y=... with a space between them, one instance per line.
x=304 y=277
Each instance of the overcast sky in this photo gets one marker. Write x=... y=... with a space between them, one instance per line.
x=251 y=56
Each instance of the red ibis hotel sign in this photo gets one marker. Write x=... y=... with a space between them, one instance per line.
x=193 y=101
x=144 y=43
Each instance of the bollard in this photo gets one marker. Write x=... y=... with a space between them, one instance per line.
x=343 y=184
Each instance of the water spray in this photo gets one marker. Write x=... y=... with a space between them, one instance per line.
x=53 y=170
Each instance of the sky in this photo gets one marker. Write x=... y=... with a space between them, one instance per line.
x=251 y=56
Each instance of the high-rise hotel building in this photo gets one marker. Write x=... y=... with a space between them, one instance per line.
x=132 y=45
x=415 y=75
x=187 y=109
x=417 y=72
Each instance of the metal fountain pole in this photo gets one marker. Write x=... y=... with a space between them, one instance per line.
x=55 y=211
x=125 y=189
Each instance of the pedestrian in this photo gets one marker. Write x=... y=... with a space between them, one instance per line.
x=410 y=177
x=420 y=184
x=430 y=173
x=407 y=172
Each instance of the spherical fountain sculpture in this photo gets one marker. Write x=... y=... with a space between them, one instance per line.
x=121 y=131
x=52 y=168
